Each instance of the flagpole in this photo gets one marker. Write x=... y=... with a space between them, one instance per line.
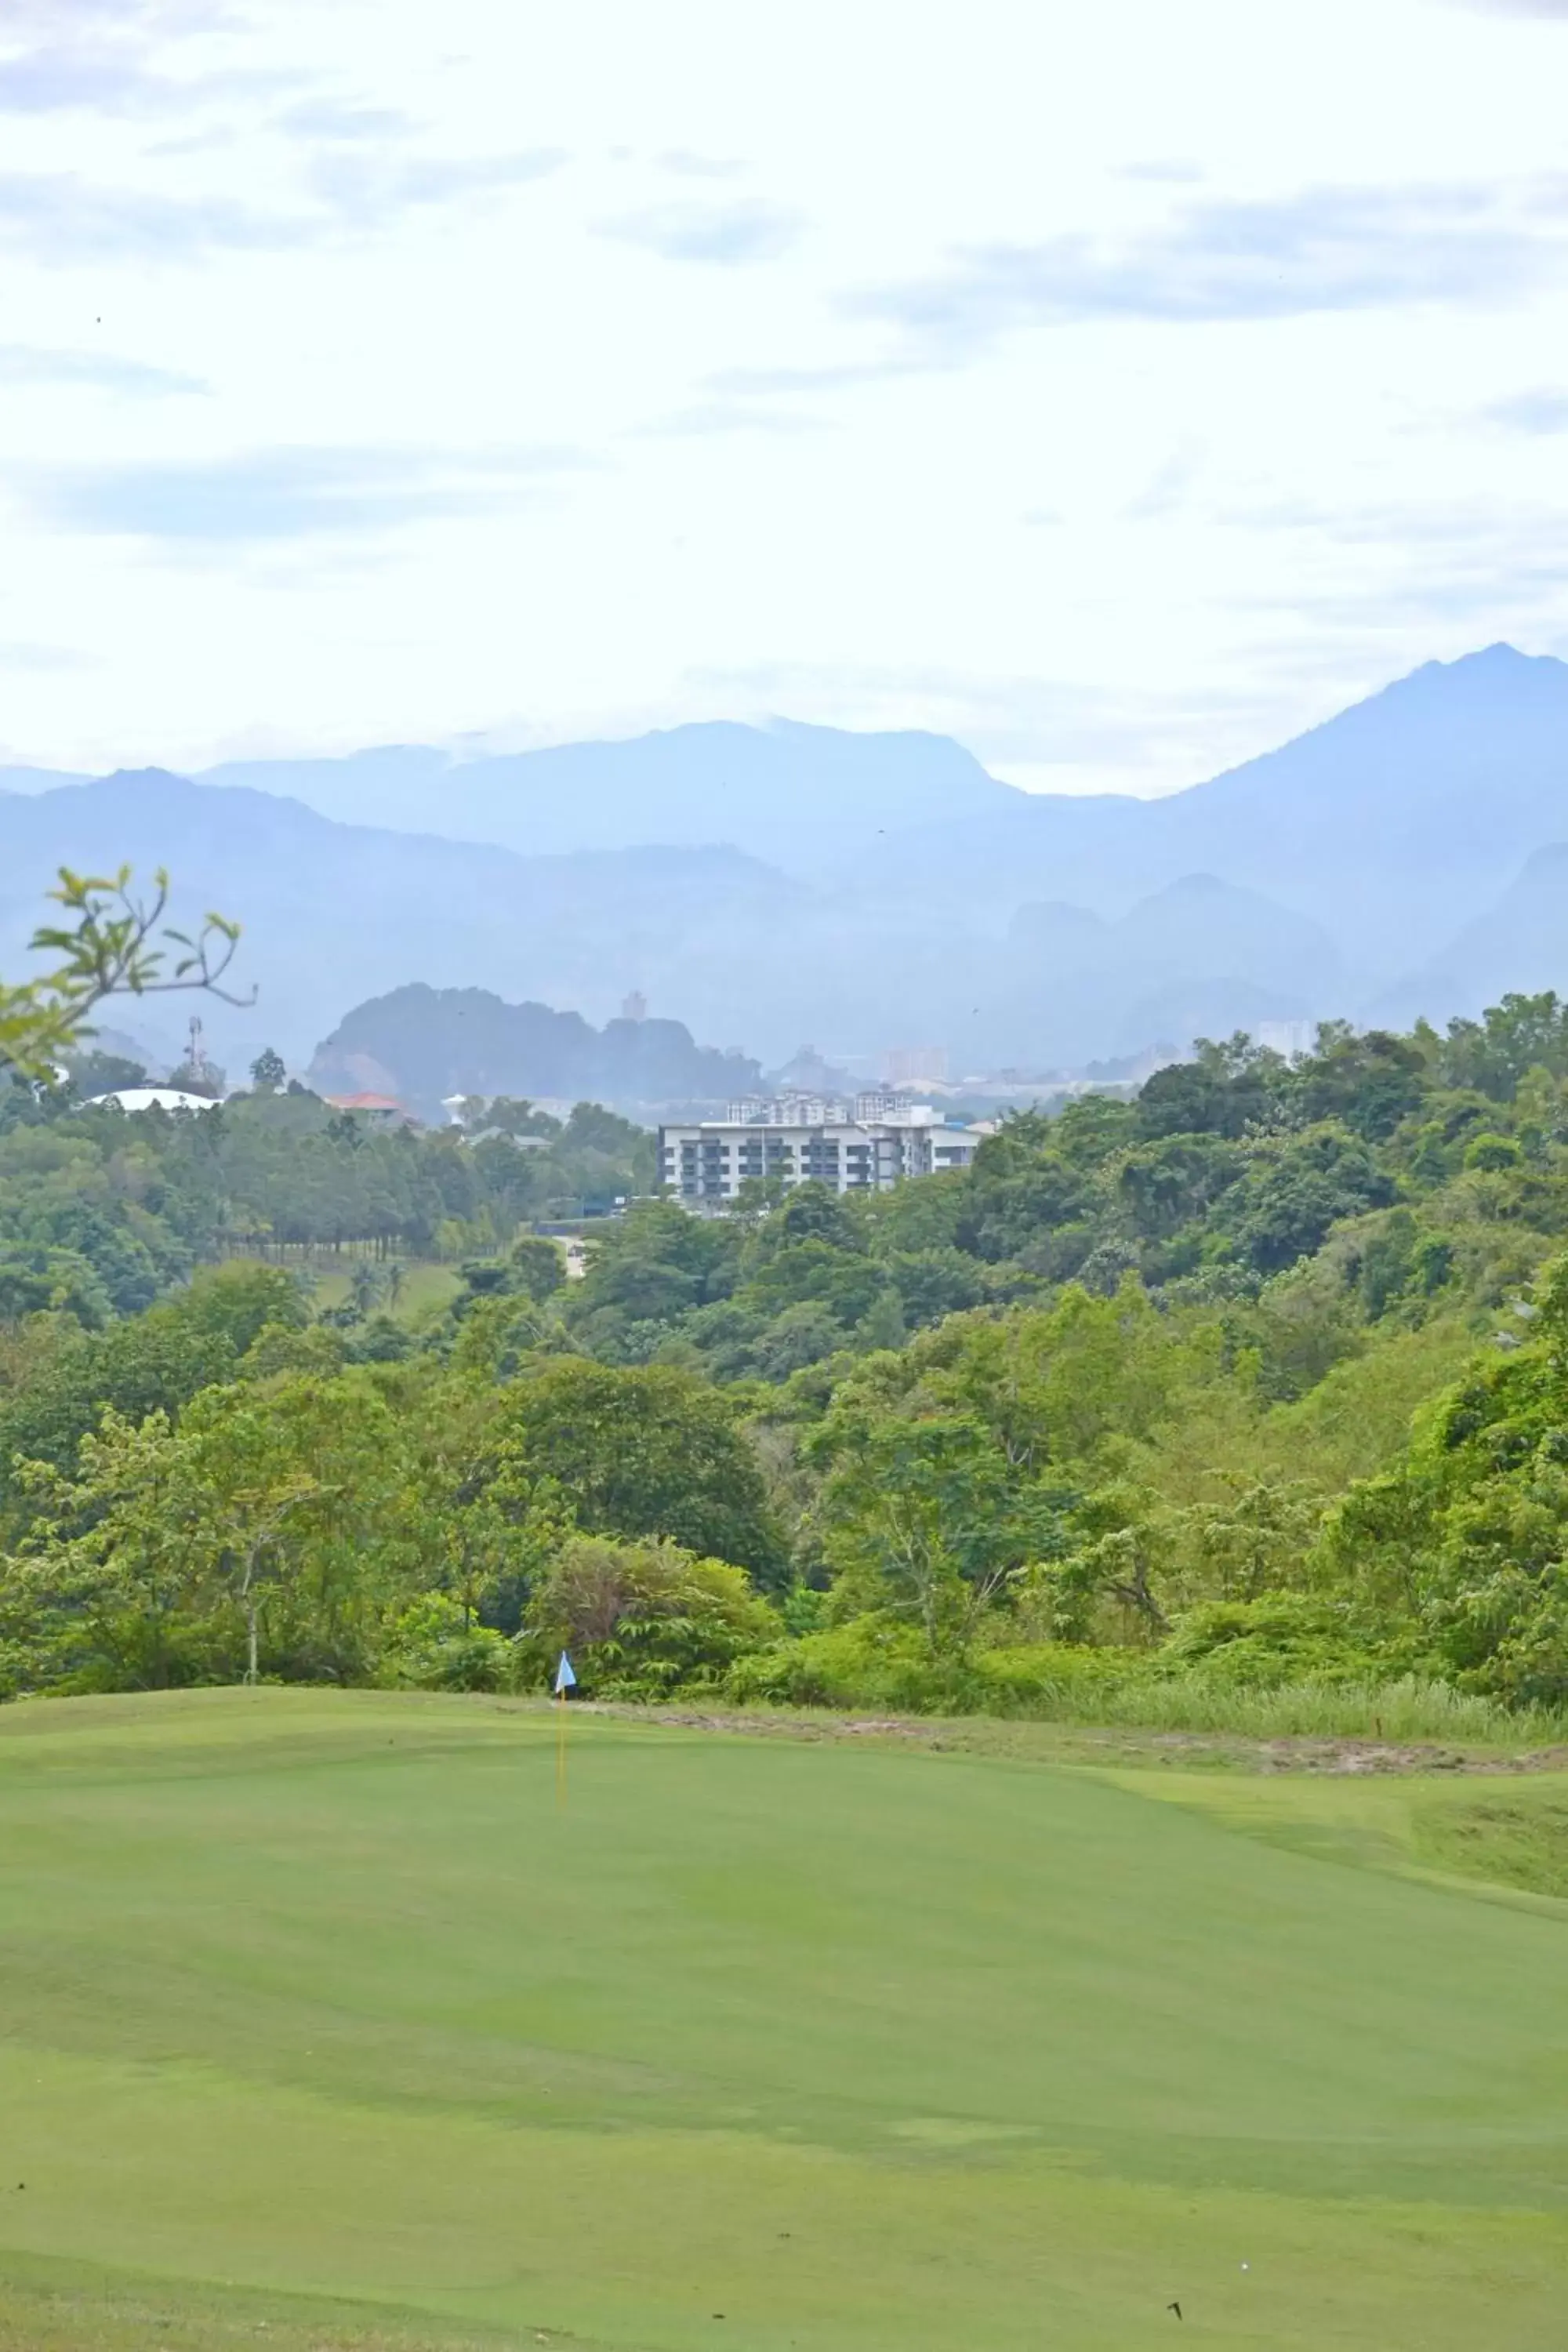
x=564 y=1679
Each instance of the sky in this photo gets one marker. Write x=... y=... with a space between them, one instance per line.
x=1119 y=389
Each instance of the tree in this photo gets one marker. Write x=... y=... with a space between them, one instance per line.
x=152 y=1362
x=42 y=1280
x=1021 y=1188
x=1175 y=1182
x=644 y=1452
x=928 y=1517
x=202 y=1077
x=91 y=1598
x=109 y=943
x=646 y=1618
x=103 y=1073
x=1492 y=1054
x=266 y=1521
x=1222 y=1090
x=364 y=1288
x=534 y=1266
x=511 y=1115
x=651 y=1268
x=1282 y=1209
x=931 y=1283
x=267 y=1073
x=1369 y=1082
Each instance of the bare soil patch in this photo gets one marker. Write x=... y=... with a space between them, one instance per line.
x=1068 y=1743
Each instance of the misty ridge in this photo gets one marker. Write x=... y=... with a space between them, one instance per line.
x=760 y=887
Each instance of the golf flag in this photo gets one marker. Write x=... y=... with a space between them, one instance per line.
x=566 y=1679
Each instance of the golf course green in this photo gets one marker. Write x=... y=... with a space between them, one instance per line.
x=323 y=2019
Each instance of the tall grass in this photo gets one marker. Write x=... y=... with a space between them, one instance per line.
x=869 y=1667
x=1399 y=1712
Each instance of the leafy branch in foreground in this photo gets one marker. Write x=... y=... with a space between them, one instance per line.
x=110 y=943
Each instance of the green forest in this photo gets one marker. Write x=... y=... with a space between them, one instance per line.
x=1250 y=1392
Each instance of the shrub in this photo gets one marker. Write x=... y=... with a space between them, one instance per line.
x=1260 y=1644
x=1492 y=1153
x=873 y=1661
x=436 y=1644
x=641 y=1620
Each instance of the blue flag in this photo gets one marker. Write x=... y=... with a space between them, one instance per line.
x=566 y=1679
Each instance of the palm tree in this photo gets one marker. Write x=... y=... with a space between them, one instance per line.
x=364 y=1288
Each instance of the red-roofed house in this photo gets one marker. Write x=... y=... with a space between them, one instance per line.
x=376 y=1110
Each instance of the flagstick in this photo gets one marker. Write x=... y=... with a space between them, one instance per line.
x=561 y=1750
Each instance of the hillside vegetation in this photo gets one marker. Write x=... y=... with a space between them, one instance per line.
x=1249 y=1396
x=426 y=1044
x=100 y=1214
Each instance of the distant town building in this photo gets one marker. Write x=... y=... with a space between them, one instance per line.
x=462 y=1110
x=792 y=1108
x=635 y=1006
x=809 y=1073
x=917 y=1066
x=789 y=1108
x=376 y=1110
x=1287 y=1038
x=882 y=1102
x=705 y=1164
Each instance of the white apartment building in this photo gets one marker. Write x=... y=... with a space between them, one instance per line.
x=705 y=1165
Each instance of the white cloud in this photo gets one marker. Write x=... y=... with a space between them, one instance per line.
x=744 y=229
x=1120 y=387
x=18 y=654
x=63 y=216
x=21 y=363
x=271 y=497
x=1323 y=249
x=1543 y=409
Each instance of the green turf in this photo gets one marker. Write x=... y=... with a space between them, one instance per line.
x=1516 y=1835
x=326 y=2000
x=424 y=1285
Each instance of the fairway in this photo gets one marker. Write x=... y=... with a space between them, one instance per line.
x=325 y=2008
x=424 y=1284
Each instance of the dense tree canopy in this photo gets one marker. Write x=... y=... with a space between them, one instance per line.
x=107 y=1209
x=1255 y=1378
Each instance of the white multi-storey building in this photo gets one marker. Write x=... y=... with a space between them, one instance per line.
x=706 y=1165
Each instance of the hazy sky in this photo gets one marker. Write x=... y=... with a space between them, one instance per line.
x=1120 y=387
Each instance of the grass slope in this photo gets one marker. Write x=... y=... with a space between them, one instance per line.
x=426 y=1286
x=321 y=2013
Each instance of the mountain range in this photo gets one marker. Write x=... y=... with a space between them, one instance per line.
x=803 y=798
x=767 y=884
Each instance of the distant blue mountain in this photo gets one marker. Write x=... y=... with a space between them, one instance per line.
x=873 y=890
x=801 y=797
x=335 y=913
x=1519 y=944
x=1392 y=823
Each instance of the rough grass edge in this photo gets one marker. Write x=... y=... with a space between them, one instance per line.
x=1402 y=1710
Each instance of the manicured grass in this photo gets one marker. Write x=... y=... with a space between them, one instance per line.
x=424 y=1285
x=1513 y=1837
x=322 y=2011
